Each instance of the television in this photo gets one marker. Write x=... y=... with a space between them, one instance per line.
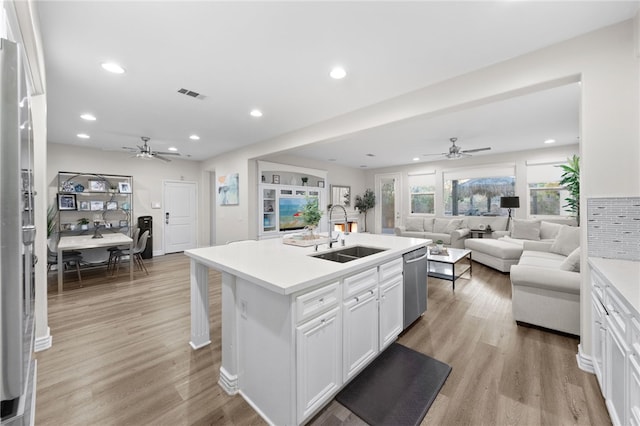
x=290 y=213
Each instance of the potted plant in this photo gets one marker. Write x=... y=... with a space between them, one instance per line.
x=365 y=203
x=570 y=179
x=311 y=215
x=84 y=223
x=440 y=245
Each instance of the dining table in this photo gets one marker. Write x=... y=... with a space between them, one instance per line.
x=80 y=242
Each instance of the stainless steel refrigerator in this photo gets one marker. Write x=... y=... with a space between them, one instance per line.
x=17 y=233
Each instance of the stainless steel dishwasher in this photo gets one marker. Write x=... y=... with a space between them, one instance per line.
x=415 y=285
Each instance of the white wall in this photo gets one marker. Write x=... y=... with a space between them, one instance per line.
x=517 y=159
x=148 y=177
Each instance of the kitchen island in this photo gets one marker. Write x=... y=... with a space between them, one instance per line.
x=297 y=328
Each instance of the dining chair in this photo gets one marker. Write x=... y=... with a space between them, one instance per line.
x=113 y=251
x=68 y=258
x=136 y=253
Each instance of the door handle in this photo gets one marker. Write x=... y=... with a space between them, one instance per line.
x=166 y=218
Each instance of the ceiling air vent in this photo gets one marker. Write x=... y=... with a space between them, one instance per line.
x=191 y=93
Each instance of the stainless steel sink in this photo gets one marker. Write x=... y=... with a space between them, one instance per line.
x=348 y=254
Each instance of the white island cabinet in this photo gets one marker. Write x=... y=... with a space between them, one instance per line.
x=295 y=328
x=615 y=294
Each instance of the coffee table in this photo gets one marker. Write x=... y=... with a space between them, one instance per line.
x=449 y=266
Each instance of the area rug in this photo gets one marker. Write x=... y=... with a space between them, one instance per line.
x=397 y=388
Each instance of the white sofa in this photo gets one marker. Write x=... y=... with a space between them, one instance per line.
x=545 y=284
x=451 y=230
x=504 y=248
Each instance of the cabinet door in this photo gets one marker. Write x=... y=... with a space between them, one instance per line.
x=360 y=339
x=390 y=311
x=616 y=375
x=319 y=360
x=634 y=389
x=598 y=316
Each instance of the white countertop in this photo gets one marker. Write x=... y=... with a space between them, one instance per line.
x=286 y=269
x=624 y=275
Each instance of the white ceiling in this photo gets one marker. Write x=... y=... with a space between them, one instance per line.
x=276 y=56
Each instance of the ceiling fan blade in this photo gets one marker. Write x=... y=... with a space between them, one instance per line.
x=129 y=148
x=159 y=157
x=441 y=153
x=475 y=150
x=166 y=153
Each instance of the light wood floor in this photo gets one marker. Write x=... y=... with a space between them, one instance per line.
x=121 y=356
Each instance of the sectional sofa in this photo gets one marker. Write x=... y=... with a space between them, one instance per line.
x=453 y=231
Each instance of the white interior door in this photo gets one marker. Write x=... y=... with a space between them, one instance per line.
x=387 y=202
x=179 y=216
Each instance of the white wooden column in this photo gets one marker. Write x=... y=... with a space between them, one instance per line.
x=229 y=366
x=199 y=305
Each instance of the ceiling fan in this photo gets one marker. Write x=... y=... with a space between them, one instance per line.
x=455 y=152
x=144 y=152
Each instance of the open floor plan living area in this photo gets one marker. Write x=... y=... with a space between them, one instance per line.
x=322 y=213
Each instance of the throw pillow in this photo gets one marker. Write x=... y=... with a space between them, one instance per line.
x=572 y=262
x=428 y=224
x=439 y=225
x=567 y=240
x=453 y=225
x=414 y=224
x=525 y=229
x=549 y=230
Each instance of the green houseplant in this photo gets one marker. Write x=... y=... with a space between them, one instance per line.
x=311 y=214
x=364 y=203
x=570 y=179
x=84 y=223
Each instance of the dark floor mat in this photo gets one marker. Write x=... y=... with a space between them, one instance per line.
x=397 y=388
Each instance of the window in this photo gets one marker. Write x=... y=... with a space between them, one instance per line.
x=477 y=192
x=422 y=190
x=546 y=196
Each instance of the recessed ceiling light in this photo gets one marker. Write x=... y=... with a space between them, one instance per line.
x=194 y=137
x=338 y=73
x=88 y=117
x=172 y=148
x=113 y=67
x=550 y=141
x=83 y=136
x=416 y=158
x=256 y=113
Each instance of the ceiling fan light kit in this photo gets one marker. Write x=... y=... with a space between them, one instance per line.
x=455 y=152
x=145 y=152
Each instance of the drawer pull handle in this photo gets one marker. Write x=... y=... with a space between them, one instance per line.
x=357 y=299
x=371 y=291
x=324 y=321
x=321 y=301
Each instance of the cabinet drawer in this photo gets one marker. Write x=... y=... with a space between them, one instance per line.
x=356 y=284
x=619 y=314
x=390 y=269
x=635 y=337
x=317 y=301
x=597 y=285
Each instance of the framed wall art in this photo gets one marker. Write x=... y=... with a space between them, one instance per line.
x=227 y=189
x=67 y=202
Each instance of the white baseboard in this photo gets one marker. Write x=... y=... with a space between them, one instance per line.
x=44 y=342
x=228 y=382
x=585 y=362
x=158 y=253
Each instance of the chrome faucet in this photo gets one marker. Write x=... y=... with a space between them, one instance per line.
x=346 y=225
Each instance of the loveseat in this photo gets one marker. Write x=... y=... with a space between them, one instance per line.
x=545 y=283
x=451 y=230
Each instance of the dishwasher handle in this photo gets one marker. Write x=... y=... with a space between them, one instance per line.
x=416 y=259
